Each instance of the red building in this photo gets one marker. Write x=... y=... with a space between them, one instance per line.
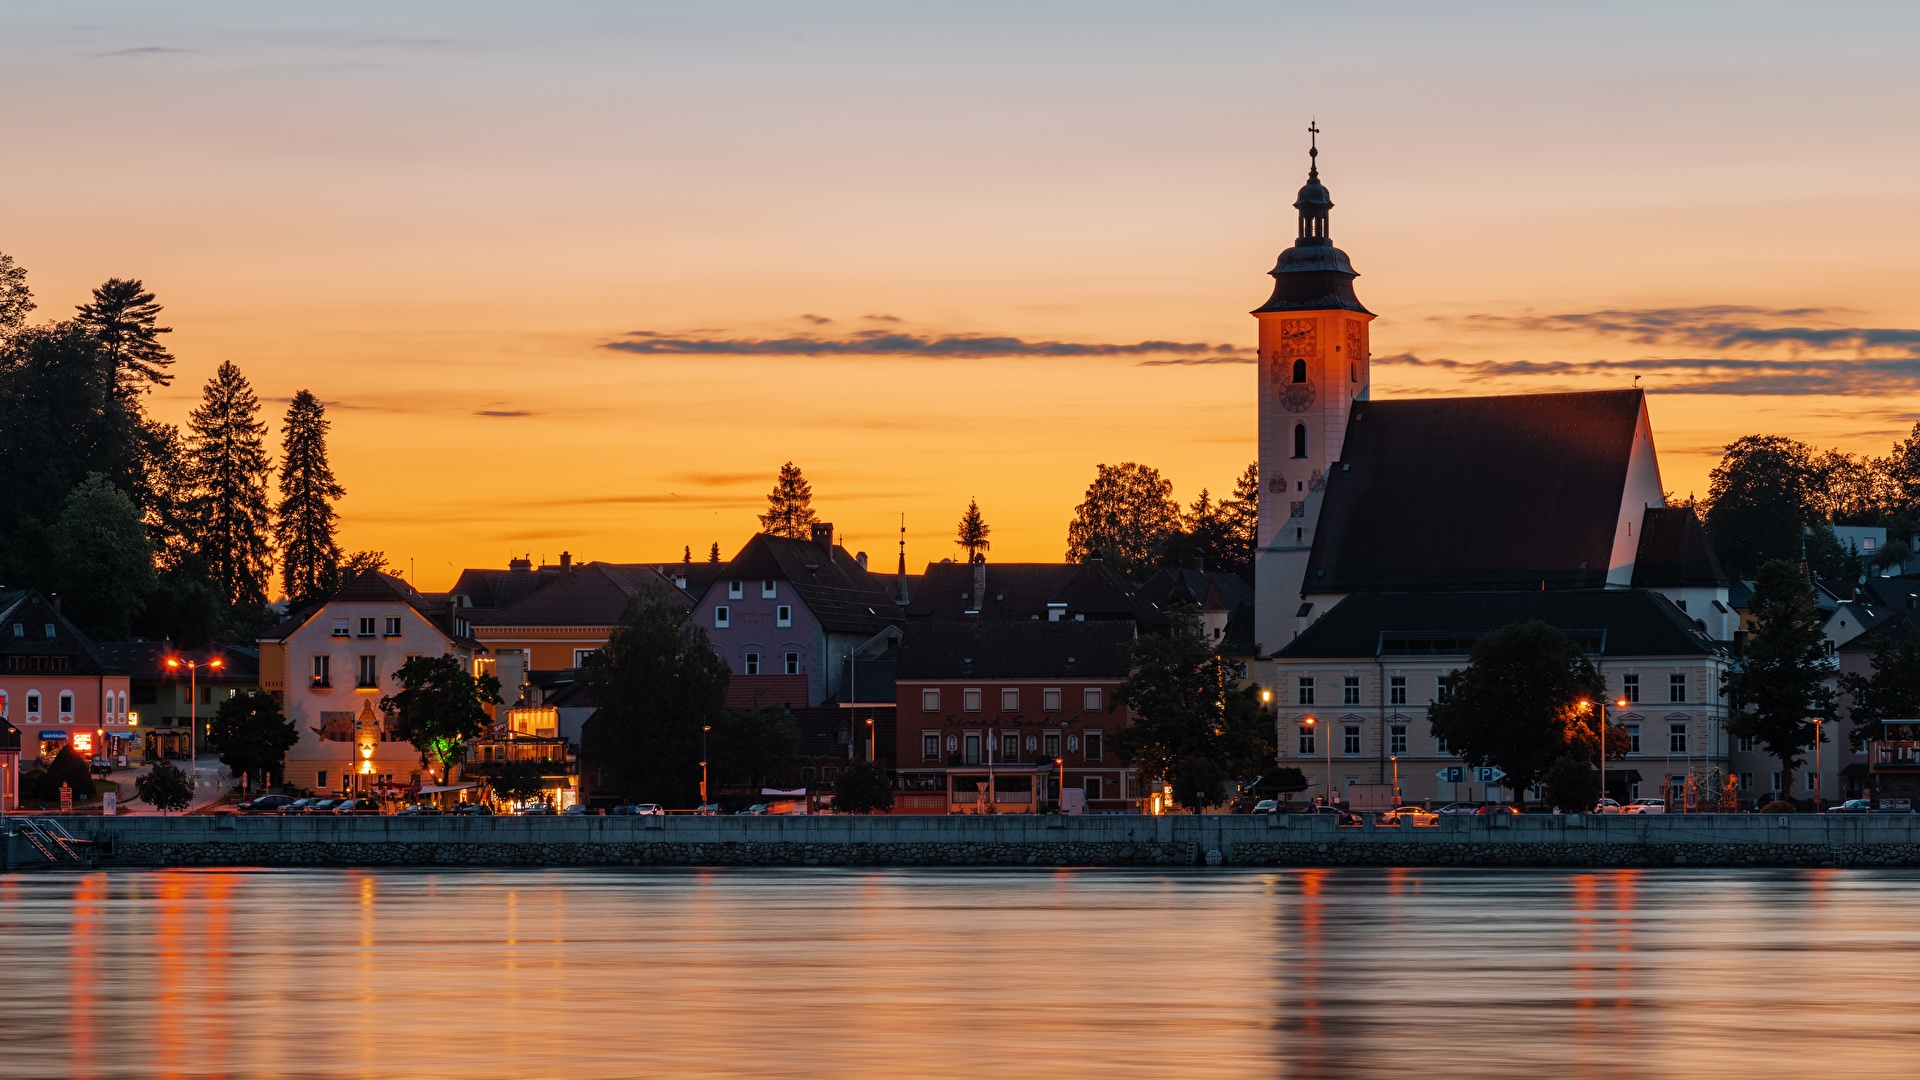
x=1002 y=715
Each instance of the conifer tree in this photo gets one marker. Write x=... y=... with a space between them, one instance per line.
x=15 y=298
x=789 y=506
x=1240 y=518
x=686 y=553
x=304 y=526
x=713 y=553
x=973 y=532
x=125 y=320
x=230 y=519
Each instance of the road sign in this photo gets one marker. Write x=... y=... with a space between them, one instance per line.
x=1453 y=774
x=1488 y=775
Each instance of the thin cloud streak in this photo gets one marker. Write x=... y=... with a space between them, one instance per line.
x=1721 y=326
x=1722 y=376
x=899 y=343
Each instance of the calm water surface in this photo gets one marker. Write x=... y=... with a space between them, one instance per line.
x=990 y=974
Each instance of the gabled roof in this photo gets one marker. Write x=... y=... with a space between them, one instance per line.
x=1209 y=590
x=1635 y=622
x=373 y=586
x=595 y=594
x=146 y=661
x=489 y=588
x=1896 y=626
x=1674 y=551
x=1024 y=592
x=840 y=593
x=32 y=614
x=1016 y=650
x=1485 y=492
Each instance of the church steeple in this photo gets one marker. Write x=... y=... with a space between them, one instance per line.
x=1313 y=275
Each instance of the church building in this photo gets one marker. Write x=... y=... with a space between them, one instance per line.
x=1394 y=534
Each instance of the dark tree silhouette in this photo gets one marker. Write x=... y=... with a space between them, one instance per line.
x=252 y=735
x=713 y=553
x=166 y=787
x=360 y=562
x=15 y=298
x=103 y=565
x=305 y=518
x=974 y=531
x=657 y=682
x=1781 y=683
x=440 y=707
x=1194 y=727
x=863 y=789
x=230 y=513
x=125 y=319
x=789 y=505
x=1125 y=519
x=1516 y=706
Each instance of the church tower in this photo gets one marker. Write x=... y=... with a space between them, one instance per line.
x=1313 y=366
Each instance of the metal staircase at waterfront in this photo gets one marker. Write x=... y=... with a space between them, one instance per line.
x=51 y=842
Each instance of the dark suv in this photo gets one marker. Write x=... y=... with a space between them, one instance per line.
x=263 y=804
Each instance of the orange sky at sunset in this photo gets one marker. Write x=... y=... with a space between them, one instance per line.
x=440 y=218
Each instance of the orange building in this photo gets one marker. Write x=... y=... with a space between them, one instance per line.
x=56 y=686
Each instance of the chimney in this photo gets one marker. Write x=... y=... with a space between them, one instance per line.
x=980 y=582
x=566 y=562
x=823 y=536
x=521 y=565
x=861 y=559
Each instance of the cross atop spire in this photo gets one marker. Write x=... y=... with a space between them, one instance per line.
x=1313 y=148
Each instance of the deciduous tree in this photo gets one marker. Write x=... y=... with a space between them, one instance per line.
x=789 y=506
x=440 y=707
x=1194 y=727
x=165 y=787
x=751 y=747
x=252 y=735
x=16 y=299
x=1781 y=683
x=657 y=682
x=1892 y=691
x=232 y=522
x=103 y=566
x=1126 y=516
x=1516 y=705
x=305 y=519
x=863 y=789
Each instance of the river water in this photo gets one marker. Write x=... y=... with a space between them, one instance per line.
x=976 y=973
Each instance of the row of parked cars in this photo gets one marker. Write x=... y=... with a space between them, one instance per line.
x=287 y=805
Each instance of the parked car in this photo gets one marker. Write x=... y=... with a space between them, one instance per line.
x=418 y=810
x=1411 y=815
x=1651 y=805
x=355 y=806
x=1267 y=806
x=1607 y=806
x=535 y=809
x=297 y=806
x=1852 y=806
x=474 y=809
x=1458 y=808
x=576 y=810
x=650 y=809
x=263 y=804
x=1495 y=809
x=322 y=806
x=756 y=809
x=709 y=809
x=1341 y=817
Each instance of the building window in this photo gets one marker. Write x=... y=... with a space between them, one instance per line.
x=1633 y=738
x=323 y=671
x=1397 y=690
x=369 y=671
x=1350 y=743
x=1010 y=746
x=722 y=616
x=1776 y=782
x=1090 y=701
x=1051 y=742
x=581 y=656
x=1299 y=371
x=736 y=590
x=1350 y=690
x=320 y=780
x=768 y=590
x=783 y=615
x=1443 y=688
x=1093 y=743
x=1092 y=788
x=1009 y=700
x=366 y=625
x=1676 y=738
x=1397 y=739
x=1746 y=781
x=1440 y=745
x=793 y=663
x=393 y=626
x=1050 y=699
x=752 y=663
x=1299 y=440
x=1630 y=687
x=1306 y=742
x=1677 y=688
x=1745 y=744
x=930 y=746
x=970 y=699
x=929 y=701
x=1306 y=690
x=66 y=704
x=33 y=703
x=343 y=628
x=1812 y=781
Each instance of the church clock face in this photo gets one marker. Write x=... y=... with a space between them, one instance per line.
x=1296 y=396
x=1297 y=338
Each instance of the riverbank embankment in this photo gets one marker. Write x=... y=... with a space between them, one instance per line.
x=1012 y=840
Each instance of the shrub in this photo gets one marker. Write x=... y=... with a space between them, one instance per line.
x=166 y=787
x=1779 y=806
x=863 y=789
x=68 y=768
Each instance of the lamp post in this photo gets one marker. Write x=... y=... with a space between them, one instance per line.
x=1060 y=801
x=1817 y=721
x=1326 y=797
x=704 y=728
x=870 y=747
x=193 y=712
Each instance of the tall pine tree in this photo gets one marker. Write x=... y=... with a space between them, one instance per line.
x=125 y=320
x=973 y=532
x=15 y=298
x=230 y=518
x=790 y=505
x=304 y=522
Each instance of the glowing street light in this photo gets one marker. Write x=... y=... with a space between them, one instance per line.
x=174 y=663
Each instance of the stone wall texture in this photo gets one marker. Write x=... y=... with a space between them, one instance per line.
x=1013 y=840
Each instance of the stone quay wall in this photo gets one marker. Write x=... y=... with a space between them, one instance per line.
x=1012 y=840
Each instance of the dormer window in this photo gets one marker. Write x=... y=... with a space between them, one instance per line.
x=50 y=630
x=768 y=589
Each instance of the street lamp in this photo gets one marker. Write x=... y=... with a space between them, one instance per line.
x=1817 y=721
x=870 y=748
x=704 y=728
x=193 y=712
x=1060 y=803
x=1326 y=797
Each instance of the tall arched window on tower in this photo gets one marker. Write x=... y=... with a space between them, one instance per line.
x=1299 y=440
x=1299 y=371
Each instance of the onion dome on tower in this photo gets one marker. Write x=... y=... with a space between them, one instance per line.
x=1313 y=275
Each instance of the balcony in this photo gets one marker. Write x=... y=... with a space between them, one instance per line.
x=1895 y=756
